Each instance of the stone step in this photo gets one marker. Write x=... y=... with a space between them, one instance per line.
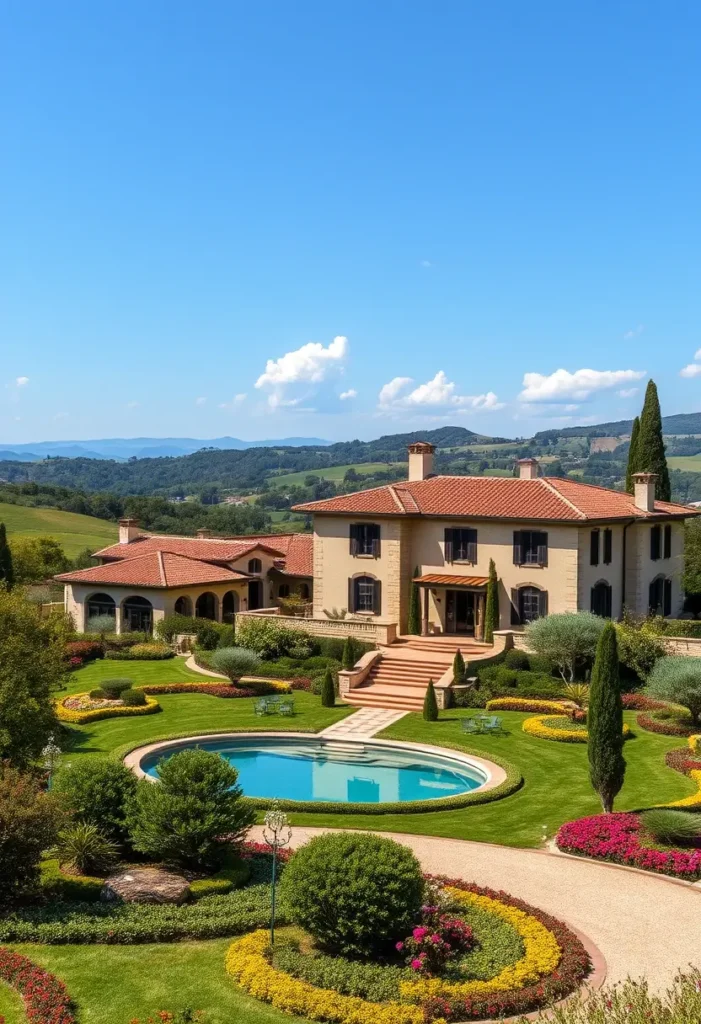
x=366 y=697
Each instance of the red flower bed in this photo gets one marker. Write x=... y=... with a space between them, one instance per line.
x=214 y=689
x=665 y=726
x=639 y=702
x=616 y=838
x=682 y=760
x=46 y=999
x=250 y=850
x=86 y=650
x=571 y=971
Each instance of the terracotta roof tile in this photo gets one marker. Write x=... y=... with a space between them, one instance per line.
x=300 y=555
x=214 y=550
x=545 y=498
x=154 y=569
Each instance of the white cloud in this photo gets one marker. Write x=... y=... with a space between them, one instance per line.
x=434 y=394
x=580 y=385
x=201 y=400
x=697 y=353
x=692 y=370
x=634 y=332
x=236 y=400
x=21 y=382
x=350 y=393
x=628 y=392
x=310 y=364
x=425 y=263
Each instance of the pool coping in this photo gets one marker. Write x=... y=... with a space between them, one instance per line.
x=495 y=774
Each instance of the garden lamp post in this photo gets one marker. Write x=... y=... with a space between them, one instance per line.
x=277 y=834
x=50 y=756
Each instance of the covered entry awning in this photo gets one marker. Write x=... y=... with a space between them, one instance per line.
x=457 y=582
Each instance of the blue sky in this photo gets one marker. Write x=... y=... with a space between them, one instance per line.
x=440 y=198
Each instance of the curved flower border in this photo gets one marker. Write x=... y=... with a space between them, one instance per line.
x=46 y=999
x=534 y=705
x=537 y=726
x=553 y=964
x=65 y=714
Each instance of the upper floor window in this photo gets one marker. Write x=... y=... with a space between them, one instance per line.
x=601 y=599
x=594 y=538
x=608 y=546
x=365 y=539
x=527 y=605
x=667 y=541
x=660 y=596
x=364 y=595
x=598 y=540
x=530 y=547
x=255 y=565
x=461 y=545
x=655 y=543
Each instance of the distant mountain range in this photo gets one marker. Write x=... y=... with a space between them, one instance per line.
x=683 y=423
x=141 y=447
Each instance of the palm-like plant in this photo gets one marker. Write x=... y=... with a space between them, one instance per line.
x=578 y=693
x=86 y=848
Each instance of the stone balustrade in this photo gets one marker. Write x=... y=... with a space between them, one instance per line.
x=369 y=630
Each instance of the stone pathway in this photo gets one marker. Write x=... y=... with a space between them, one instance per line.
x=363 y=723
x=643 y=924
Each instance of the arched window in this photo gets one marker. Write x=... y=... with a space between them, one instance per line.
x=528 y=603
x=255 y=565
x=601 y=599
x=137 y=615
x=283 y=590
x=206 y=606
x=229 y=606
x=304 y=591
x=100 y=604
x=660 y=596
x=183 y=606
x=364 y=595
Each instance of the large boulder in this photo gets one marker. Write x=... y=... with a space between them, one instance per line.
x=146 y=885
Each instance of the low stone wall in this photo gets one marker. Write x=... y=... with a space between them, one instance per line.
x=349 y=679
x=686 y=645
x=370 y=631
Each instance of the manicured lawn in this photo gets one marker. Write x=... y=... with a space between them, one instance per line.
x=114 y=984
x=73 y=531
x=556 y=785
x=141 y=672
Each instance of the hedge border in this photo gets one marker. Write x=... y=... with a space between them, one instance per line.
x=664 y=728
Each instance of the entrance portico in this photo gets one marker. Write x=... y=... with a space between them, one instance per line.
x=459 y=602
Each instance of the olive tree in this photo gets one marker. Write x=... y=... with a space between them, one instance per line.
x=567 y=640
x=678 y=679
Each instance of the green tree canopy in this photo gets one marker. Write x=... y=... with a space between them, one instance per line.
x=678 y=679
x=605 y=721
x=567 y=640
x=36 y=559
x=7 y=572
x=650 y=455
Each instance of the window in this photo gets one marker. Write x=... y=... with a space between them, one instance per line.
x=601 y=599
x=101 y=604
x=660 y=596
x=461 y=545
x=667 y=542
x=608 y=546
x=527 y=605
x=364 y=595
x=304 y=591
x=530 y=547
x=594 y=547
x=655 y=547
x=365 y=539
x=255 y=565
x=283 y=590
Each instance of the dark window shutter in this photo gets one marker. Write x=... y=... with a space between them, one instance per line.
x=654 y=596
x=667 y=602
x=472 y=546
x=668 y=541
x=448 y=538
x=654 y=543
x=354 y=539
x=543 y=604
x=377 y=604
x=351 y=595
x=592 y=601
x=518 y=548
x=542 y=549
x=515 y=612
x=594 y=547
x=608 y=546
x=376 y=544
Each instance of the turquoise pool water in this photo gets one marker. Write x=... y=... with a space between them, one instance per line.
x=345 y=773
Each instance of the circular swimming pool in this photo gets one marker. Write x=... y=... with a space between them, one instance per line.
x=312 y=769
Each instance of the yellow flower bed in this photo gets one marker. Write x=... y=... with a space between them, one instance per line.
x=248 y=961
x=526 y=704
x=695 y=798
x=76 y=717
x=537 y=726
x=541 y=956
x=695 y=743
x=279 y=685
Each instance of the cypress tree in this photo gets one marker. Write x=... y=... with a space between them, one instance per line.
x=348 y=655
x=413 y=625
x=607 y=766
x=7 y=574
x=632 y=466
x=430 y=703
x=650 y=456
x=491 y=609
x=328 y=690
x=458 y=668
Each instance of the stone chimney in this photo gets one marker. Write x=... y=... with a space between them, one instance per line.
x=644 y=491
x=203 y=534
x=421 y=460
x=528 y=469
x=128 y=530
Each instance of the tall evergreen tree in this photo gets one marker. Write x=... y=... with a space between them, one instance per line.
x=632 y=466
x=607 y=766
x=458 y=668
x=650 y=456
x=328 y=690
x=413 y=625
x=491 y=608
x=7 y=573
x=430 y=703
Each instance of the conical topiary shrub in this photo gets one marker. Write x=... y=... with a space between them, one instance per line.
x=348 y=655
x=413 y=626
x=430 y=703
x=328 y=690
x=458 y=668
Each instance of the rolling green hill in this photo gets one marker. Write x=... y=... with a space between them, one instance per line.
x=73 y=531
x=687 y=463
x=335 y=473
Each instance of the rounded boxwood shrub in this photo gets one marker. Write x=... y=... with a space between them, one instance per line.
x=114 y=688
x=517 y=659
x=354 y=893
x=133 y=698
x=234 y=662
x=97 y=694
x=97 y=790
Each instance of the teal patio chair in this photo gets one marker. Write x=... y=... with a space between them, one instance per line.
x=286 y=708
x=470 y=725
x=261 y=706
x=491 y=723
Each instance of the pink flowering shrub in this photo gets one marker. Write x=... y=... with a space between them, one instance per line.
x=617 y=838
x=436 y=940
